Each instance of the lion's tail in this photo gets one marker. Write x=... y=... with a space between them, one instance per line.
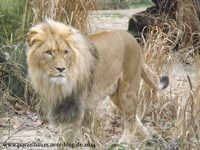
x=159 y=85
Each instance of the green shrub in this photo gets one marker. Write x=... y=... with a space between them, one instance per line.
x=11 y=19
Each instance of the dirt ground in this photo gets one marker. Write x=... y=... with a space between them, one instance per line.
x=112 y=19
x=19 y=126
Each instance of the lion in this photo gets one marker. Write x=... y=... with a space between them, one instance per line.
x=69 y=69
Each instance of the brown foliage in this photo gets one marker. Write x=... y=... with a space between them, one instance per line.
x=72 y=12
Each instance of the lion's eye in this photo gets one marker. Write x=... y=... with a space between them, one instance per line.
x=49 y=52
x=66 y=52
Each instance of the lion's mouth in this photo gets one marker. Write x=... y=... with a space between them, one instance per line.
x=60 y=76
x=57 y=76
x=59 y=79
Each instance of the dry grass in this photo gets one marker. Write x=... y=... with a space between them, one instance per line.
x=13 y=72
x=171 y=115
x=72 y=12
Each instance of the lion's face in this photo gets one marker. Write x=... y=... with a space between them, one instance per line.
x=51 y=53
x=54 y=58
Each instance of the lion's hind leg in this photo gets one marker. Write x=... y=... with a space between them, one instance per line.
x=126 y=99
x=126 y=104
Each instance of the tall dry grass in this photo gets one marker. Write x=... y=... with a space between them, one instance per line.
x=172 y=115
x=72 y=12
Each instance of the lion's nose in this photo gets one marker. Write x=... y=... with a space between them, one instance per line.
x=60 y=69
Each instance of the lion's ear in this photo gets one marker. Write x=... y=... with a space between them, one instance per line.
x=33 y=37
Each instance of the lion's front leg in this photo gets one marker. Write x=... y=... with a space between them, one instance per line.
x=69 y=134
x=68 y=115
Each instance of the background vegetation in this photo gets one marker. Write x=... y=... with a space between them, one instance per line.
x=124 y=4
x=12 y=20
x=12 y=49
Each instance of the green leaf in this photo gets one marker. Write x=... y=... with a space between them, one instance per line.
x=117 y=147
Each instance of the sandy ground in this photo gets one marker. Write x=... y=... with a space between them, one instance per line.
x=19 y=127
